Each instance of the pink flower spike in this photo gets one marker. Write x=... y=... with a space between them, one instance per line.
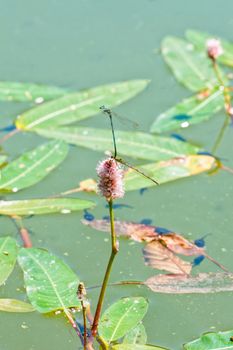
x=110 y=183
x=214 y=48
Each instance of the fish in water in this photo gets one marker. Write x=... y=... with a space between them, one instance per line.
x=198 y=260
x=146 y=221
x=162 y=230
x=8 y=128
x=142 y=190
x=182 y=117
x=88 y=216
x=200 y=242
x=178 y=137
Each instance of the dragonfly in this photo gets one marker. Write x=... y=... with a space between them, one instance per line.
x=110 y=114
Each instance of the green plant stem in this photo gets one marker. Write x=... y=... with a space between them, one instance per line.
x=227 y=105
x=102 y=342
x=114 y=251
x=220 y=134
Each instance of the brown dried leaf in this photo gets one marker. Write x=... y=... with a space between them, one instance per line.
x=158 y=256
x=180 y=245
x=137 y=232
x=182 y=284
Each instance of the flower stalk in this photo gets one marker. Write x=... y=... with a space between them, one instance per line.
x=110 y=186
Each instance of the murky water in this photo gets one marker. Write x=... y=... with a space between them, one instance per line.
x=83 y=43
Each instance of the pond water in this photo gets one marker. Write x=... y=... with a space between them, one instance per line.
x=83 y=43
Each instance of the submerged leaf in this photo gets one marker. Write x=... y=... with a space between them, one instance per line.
x=23 y=92
x=197 y=108
x=201 y=283
x=212 y=341
x=158 y=256
x=13 y=305
x=79 y=105
x=192 y=68
x=136 y=336
x=50 y=284
x=32 y=166
x=43 y=206
x=8 y=255
x=198 y=39
x=121 y=317
x=132 y=144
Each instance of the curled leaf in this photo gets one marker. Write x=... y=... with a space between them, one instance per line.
x=160 y=257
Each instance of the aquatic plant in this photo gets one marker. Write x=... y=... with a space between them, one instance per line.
x=51 y=285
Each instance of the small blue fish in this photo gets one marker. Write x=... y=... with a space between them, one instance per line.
x=142 y=190
x=205 y=153
x=200 y=242
x=182 y=117
x=81 y=328
x=161 y=230
x=178 y=137
x=8 y=128
x=119 y=206
x=198 y=260
x=106 y=217
x=88 y=216
x=146 y=221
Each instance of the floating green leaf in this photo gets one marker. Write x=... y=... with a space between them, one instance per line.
x=13 y=305
x=136 y=347
x=136 y=336
x=50 y=283
x=167 y=171
x=198 y=39
x=32 y=166
x=190 y=67
x=132 y=144
x=212 y=341
x=121 y=317
x=17 y=91
x=8 y=255
x=192 y=110
x=43 y=206
x=79 y=105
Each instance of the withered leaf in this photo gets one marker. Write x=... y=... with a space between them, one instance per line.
x=183 y=284
x=158 y=256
